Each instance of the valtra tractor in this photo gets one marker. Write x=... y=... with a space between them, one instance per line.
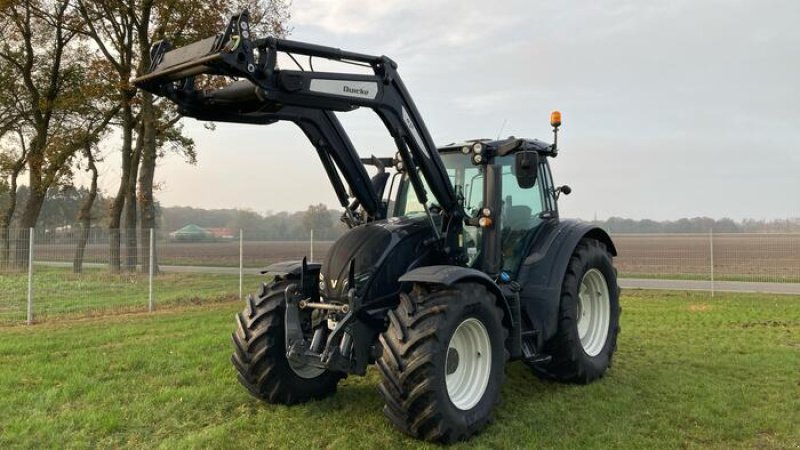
x=455 y=262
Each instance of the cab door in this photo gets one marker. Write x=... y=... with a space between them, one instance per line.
x=523 y=211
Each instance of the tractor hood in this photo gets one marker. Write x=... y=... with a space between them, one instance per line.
x=380 y=252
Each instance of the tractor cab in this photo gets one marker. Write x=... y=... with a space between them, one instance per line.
x=504 y=203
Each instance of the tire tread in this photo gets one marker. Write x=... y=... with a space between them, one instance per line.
x=568 y=361
x=258 y=345
x=407 y=364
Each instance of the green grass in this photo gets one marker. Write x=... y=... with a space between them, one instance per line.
x=690 y=371
x=59 y=293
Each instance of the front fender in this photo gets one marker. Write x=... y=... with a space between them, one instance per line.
x=293 y=270
x=449 y=275
x=290 y=268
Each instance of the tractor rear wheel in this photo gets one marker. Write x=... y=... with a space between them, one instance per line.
x=443 y=361
x=260 y=353
x=588 y=322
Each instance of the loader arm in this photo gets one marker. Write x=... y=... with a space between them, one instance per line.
x=307 y=98
x=322 y=129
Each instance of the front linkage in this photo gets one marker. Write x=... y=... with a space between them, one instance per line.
x=331 y=349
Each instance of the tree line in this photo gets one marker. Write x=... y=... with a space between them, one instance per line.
x=62 y=209
x=699 y=225
x=65 y=90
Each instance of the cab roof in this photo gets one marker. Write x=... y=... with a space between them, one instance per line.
x=504 y=146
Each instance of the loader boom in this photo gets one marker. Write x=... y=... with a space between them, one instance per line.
x=268 y=94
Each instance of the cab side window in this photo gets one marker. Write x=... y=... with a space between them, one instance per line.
x=521 y=214
x=521 y=206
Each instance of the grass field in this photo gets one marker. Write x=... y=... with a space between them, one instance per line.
x=59 y=293
x=690 y=371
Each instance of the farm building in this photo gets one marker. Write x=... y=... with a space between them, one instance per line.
x=194 y=232
x=191 y=232
x=224 y=234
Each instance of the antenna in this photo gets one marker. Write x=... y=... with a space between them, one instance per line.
x=502 y=127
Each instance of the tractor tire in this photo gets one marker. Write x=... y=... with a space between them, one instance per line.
x=588 y=322
x=260 y=353
x=443 y=361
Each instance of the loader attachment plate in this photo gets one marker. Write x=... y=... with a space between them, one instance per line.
x=229 y=53
x=182 y=62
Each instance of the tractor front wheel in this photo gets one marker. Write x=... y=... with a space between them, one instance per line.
x=260 y=353
x=443 y=361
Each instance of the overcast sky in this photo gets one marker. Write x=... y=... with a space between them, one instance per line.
x=671 y=109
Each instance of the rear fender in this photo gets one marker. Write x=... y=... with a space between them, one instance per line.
x=542 y=272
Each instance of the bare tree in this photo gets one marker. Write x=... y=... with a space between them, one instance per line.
x=182 y=21
x=60 y=103
x=160 y=129
x=84 y=218
x=123 y=32
x=111 y=25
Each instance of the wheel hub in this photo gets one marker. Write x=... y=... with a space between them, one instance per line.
x=452 y=361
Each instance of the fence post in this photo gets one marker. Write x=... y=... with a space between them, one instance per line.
x=711 y=245
x=311 y=257
x=241 y=262
x=30 y=276
x=152 y=260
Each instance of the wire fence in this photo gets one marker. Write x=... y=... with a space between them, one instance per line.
x=747 y=257
x=45 y=275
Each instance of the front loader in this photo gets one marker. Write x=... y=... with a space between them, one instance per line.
x=454 y=264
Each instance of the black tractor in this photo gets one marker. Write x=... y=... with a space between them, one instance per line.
x=456 y=260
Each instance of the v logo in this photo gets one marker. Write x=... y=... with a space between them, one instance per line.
x=333 y=283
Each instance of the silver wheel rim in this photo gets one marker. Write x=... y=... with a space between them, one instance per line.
x=594 y=312
x=468 y=364
x=303 y=370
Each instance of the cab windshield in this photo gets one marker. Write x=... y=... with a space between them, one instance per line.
x=467 y=181
x=520 y=213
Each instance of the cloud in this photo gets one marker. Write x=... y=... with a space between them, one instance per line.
x=671 y=108
x=345 y=16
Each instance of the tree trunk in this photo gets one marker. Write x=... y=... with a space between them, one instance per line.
x=85 y=216
x=131 y=250
x=146 y=176
x=5 y=247
x=28 y=220
x=117 y=205
x=5 y=221
x=33 y=205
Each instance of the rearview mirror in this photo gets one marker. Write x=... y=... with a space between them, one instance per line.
x=526 y=168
